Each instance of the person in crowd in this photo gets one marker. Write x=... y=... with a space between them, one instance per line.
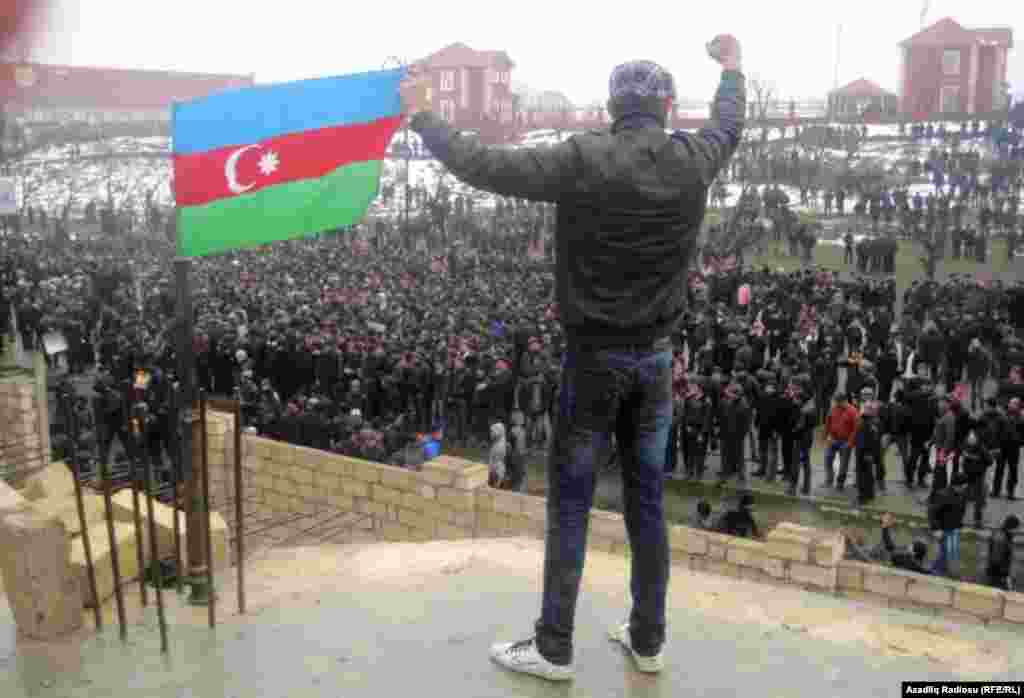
x=498 y=455
x=946 y=518
x=734 y=423
x=924 y=410
x=739 y=519
x=974 y=463
x=999 y=567
x=868 y=453
x=840 y=430
x=858 y=549
x=516 y=458
x=701 y=518
x=911 y=559
x=1009 y=457
x=769 y=410
x=697 y=423
x=944 y=438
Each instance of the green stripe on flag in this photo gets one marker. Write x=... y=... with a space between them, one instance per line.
x=283 y=212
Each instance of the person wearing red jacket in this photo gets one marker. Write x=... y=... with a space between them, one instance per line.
x=841 y=430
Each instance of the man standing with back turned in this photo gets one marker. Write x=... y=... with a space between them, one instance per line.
x=631 y=201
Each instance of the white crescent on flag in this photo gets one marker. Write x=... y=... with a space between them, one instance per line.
x=230 y=171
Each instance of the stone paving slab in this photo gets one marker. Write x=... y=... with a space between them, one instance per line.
x=417 y=619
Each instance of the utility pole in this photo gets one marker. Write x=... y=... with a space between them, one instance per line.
x=402 y=63
x=839 y=45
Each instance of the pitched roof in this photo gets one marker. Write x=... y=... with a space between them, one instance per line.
x=72 y=87
x=948 y=32
x=945 y=31
x=862 y=88
x=459 y=55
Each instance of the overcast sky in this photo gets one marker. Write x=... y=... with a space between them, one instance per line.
x=565 y=46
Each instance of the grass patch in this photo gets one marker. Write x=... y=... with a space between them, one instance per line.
x=908 y=264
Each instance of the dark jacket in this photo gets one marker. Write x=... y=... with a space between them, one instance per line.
x=974 y=462
x=947 y=510
x=697 y=416
x=630 y=205
x=994 y=428
x=1000 y=556
x=902 y=559
x=737 y=522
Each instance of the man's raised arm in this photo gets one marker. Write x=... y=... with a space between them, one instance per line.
x=714 y=144
x=539 y=174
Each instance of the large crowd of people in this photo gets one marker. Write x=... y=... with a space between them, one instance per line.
x=350 y=342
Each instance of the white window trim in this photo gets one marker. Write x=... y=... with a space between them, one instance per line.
x=959 y=62
x=942 y=98
x=448 y=109
x=448 y=81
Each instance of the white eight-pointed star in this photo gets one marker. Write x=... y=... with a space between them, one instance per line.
x=269 y=163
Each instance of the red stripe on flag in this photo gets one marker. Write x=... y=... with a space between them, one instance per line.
x=200 y=178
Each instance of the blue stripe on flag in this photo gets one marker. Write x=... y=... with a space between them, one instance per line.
x=253 y=114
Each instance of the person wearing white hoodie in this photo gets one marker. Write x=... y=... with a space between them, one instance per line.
x=498 y=454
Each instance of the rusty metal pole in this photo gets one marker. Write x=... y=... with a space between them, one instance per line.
x=140 y=551
x=114 y=562
x=72 y=421
x=207 y=537
x=206 y=516
x=239 y=525
x=190 y=440
x=179 y=573
x=154 y=555
x=196 y=508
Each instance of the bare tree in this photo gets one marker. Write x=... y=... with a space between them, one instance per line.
x=761 y=96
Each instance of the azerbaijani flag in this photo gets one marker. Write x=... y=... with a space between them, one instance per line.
x=276 y=162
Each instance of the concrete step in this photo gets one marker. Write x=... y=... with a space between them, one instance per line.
x=383 y=619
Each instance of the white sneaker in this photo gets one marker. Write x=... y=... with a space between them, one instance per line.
x=648 y=665
x=525 y=658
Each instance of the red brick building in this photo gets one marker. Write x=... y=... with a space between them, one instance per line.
x=861 y=97
x=42 y=94
x=947 y=68
x=473 y=89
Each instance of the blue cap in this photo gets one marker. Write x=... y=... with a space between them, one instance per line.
x=641 y=79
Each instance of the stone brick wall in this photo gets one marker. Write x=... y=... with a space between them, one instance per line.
x=24 y=425
x=35 y=569
x=449 y=499
x=937 y=596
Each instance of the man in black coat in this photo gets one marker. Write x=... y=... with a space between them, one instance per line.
x=975 y=461
x=631 y=201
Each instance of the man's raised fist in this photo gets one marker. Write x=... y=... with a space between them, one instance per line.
x=725 y=49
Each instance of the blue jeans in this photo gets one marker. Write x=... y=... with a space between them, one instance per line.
x=628 y=392
x=843 y=449
x=949 y=552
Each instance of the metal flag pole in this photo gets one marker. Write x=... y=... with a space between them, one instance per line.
x=194 y=506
